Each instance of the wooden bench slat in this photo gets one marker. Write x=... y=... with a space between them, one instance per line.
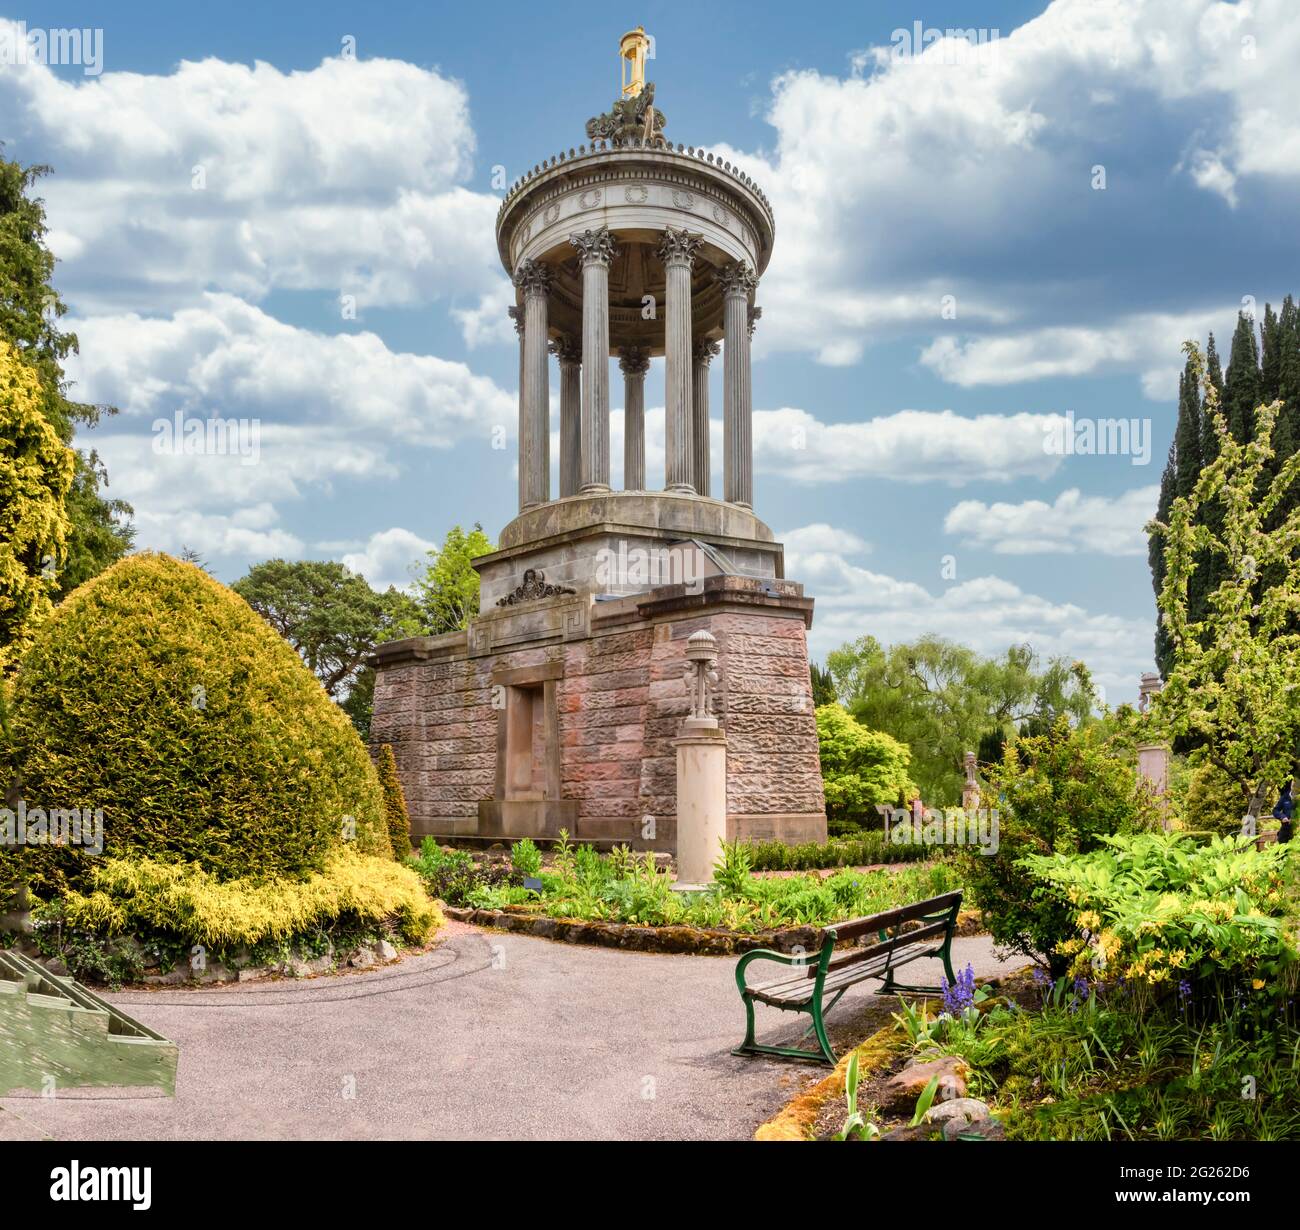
x=885 y=946
x=891 y=918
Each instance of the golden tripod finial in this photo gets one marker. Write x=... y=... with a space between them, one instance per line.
x=632 y=49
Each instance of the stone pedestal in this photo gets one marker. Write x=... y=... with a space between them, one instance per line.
x=701 y=800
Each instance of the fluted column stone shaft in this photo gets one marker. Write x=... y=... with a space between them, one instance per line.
x=738 y=283
x=634 y=365
x=533 y=279
x=569 y=354
x=597 y=249
x=517 y=316
x=677 y=251
x=703 y=355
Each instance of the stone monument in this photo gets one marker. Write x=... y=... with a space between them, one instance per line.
x=559 y=706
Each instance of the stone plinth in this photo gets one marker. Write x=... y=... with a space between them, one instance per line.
x=701 y=802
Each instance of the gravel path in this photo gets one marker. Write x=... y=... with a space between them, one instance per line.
x=490 y=1035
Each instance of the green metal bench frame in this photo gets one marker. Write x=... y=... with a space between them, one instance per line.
x=935 y=919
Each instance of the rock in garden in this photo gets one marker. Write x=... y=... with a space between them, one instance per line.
x=363 y=958
x=922 y=1131
x=385 y=951
x=985 y=1129
x=902 y=1090
x=964 y=1110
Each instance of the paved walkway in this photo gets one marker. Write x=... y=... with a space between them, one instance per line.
x=490 y=1035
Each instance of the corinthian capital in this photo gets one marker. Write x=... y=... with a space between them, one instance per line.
x=737 y=278
x=633 y=362
x=755 y=315
x=532 y=277
x=705 y=351
x=567 y=350
x=678 y=247
x=516 y=315
x=596 y=247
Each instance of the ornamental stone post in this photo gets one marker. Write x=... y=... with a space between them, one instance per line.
x=533 y=278
x=569 y=354
x=701 y=770
x=677 y=251
x=738 y=283
x=1153 y=755
x=703 y=354
x=634 y=364
x=596 y=249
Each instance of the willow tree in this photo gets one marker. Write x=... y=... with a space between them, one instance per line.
x=1234 y=686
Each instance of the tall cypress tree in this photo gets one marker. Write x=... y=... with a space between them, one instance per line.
x=1214 y=376
x=1187 y=433
x=1242 y=385
x=1155 y=547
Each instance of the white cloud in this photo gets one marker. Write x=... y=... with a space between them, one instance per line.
x=987 y=613
x=907 y=446
x=1072 y=525
x=346 y=178
x=251 y=531
x=389 y=557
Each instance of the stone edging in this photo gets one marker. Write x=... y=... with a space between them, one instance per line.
x=794 y=1120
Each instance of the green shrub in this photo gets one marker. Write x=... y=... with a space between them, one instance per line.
x=155 y=694
x=1159 y=909
x=1211 y=802
x=146 y=898
x=395 y=813
x=861 y=768
x=525 y=857
x=1061 y=792
x=860 y=851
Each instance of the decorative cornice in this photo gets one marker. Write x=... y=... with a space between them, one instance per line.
x=567 y=350
x=532 y=277
x=533 y=588
x=633 y=361
x=678 y=247
x=737 y=278
x=706 y=351
x=596 y=247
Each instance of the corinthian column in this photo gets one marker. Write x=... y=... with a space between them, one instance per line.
x=677 y=251
x=634 y=364
x=703 y=355
x=569 y=353
x=597 y=249
x=517 y=316
x=738 y=283
x=533 y=279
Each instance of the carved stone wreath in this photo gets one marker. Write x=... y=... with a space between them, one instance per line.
x=533 y=588
x=637 y=194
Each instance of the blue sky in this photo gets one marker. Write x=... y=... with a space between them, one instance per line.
x=232 y=171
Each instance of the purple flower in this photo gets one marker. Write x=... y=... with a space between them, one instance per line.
x=961 y=995
x=1184 y=994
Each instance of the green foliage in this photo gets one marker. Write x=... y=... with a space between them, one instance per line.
x=856 y=1125
x=155 y=694
x=1210 y=801
x=1093 y=1065
x=526 y=858
x=30 y=314
x=1235 y=666
x=861 y=850
x=1155 y=908
x=448 y=591
x=823 y=685
x=942 y=699
x=452 y=876
x=395 y=813
x=1056 y=793
x=328 y=613
x=35 y=475
x=861 y=768
x=731 y=872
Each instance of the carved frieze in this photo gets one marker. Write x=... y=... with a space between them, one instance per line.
x=534 y=587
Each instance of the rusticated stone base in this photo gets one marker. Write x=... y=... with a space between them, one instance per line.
x=605 y=697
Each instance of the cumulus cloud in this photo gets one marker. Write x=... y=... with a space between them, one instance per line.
x=914 y=178
x=348 y=178
x=1073 y=524
x=987 y=613
x=390 y=557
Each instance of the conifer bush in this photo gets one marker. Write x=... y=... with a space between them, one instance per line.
x=156 y=694
x=399 y=820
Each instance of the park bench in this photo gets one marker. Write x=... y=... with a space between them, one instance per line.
x=903 y=935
